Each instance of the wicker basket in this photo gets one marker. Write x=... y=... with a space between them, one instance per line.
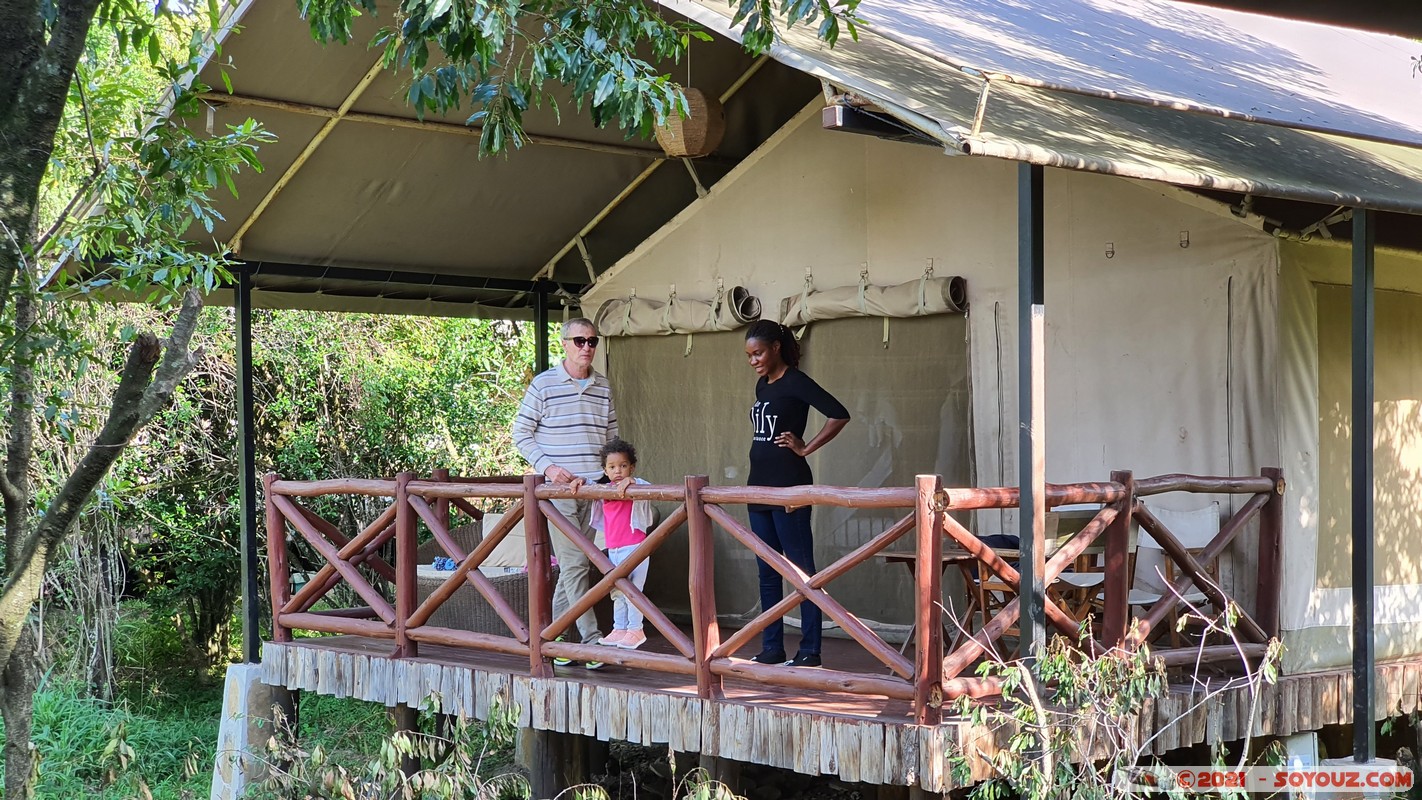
x=699 y=132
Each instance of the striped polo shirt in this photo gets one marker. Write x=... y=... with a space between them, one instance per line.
x=561 y=423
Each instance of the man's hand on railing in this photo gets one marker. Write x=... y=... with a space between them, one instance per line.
x=557 y=474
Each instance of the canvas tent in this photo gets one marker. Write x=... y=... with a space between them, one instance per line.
x=1180 y=311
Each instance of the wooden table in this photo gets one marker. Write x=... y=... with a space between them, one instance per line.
x=963 y=560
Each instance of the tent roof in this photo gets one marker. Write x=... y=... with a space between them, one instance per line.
x=357 y=186
x=1186 y=94
x=1213 y=99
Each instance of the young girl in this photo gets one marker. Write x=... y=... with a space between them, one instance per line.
x=624 y=524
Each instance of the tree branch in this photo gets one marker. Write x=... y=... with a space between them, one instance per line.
x=142 y=391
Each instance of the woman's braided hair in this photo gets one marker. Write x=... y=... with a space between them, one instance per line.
x=768 y=331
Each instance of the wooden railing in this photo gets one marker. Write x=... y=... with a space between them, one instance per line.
x=393 y=610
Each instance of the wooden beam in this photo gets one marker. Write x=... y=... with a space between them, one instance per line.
x=235 y=243
x=641 y=178
x=452 y=128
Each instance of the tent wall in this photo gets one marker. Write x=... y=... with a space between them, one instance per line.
x=1160 y=314
x=686 y=413
x=1315 y=418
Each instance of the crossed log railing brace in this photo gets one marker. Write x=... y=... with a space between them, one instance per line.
x=927 y=681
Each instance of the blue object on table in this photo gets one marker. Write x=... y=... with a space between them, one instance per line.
x=444 y=564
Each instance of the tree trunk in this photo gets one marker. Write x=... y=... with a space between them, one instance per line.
x=17 y=704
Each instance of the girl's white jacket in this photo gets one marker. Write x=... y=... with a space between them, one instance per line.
x=644 y=514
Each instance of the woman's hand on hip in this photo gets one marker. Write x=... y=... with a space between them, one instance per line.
x=793 y=443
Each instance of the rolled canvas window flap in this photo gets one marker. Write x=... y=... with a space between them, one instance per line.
x=639 y=316
x=913 y=299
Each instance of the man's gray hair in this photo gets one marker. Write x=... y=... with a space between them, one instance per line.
x=578 y=322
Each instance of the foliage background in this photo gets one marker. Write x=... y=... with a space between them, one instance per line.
x=137 y=617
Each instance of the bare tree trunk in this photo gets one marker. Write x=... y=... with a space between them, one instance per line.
x=17 y=704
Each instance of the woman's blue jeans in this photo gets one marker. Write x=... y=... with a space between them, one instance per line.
x=787 y=533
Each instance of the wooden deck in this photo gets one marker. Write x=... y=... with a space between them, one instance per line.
x=874 y=715
x=853 y=736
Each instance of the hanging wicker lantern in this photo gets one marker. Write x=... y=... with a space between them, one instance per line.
x=699 y=132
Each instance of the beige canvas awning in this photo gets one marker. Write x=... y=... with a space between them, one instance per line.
x=1148 y=89
x=363 y=206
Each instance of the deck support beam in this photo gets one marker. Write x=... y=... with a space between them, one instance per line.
x=247 y=468
x=555 y=761
x=406 y=719
x=1031 y=339
x=1364 y=674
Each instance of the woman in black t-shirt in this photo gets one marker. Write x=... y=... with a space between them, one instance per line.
x=783 y=398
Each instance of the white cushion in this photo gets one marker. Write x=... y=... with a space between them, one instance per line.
x=511 y=552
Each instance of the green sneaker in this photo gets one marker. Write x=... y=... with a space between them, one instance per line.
x=562 y=662
x=593 y=665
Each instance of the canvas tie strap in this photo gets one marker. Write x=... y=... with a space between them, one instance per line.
x=667 y=310
x=863 y=288
x=715 y=307
x=627 y=310
x=923 y=290
x=805 y=297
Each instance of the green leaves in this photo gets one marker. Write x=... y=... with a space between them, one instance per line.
x=498 y=57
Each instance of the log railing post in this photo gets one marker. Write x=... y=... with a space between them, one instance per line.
x=701 y=581
x=540 y=584
x=1117 y=588
x=442 y=504
x=928 y=602
x=405 y=566
x=276 y=560
x=1271 y=555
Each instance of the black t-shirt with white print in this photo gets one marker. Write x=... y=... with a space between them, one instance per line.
x=779 y=407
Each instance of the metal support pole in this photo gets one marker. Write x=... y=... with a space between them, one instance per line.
x=247 y=468
x=540 y=325
x=1364 y=676
x=1031 y=337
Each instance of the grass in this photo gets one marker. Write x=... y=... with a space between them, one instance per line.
x=158 y=737
x=117 y=750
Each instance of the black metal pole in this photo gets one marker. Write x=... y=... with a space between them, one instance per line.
x=1364 y=676
x=1031 y=337
x=246 y=468
x=540 y=325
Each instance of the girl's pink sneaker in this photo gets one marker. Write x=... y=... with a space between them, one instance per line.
x=614 y=639
x=631 y=639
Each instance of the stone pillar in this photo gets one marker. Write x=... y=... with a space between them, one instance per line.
x=245 y=728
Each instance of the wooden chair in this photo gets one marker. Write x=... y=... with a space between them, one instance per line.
x=1154 y=570
x=1074 y=590
x=1078 y=589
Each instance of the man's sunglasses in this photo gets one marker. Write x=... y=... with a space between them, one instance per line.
x=582 y=341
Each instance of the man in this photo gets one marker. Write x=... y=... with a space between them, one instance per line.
x=564 y=420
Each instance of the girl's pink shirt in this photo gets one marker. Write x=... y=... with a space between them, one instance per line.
x=617 y=516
